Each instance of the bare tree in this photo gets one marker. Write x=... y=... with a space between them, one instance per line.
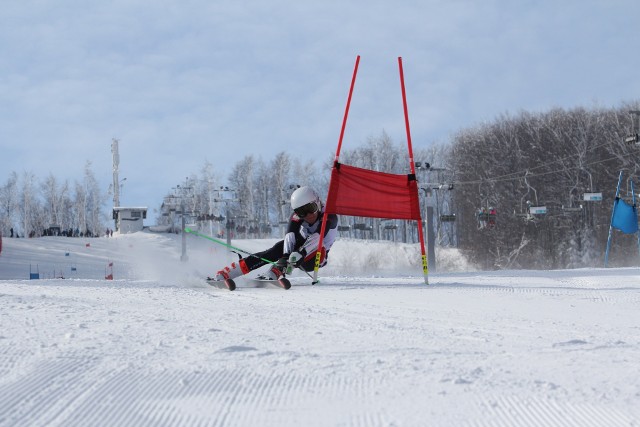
x=242 y=181
x=281 y=168
x=9 y=203
x=80 y=209
x=94 y=201
x=264 y=196
x=54 y=199
x=29 y=205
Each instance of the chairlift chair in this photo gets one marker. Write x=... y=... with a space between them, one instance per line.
x=391 y=226
x=568 y=210
x=486 y=217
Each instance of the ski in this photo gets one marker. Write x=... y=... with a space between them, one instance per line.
x=257 y=282
x=228 y=284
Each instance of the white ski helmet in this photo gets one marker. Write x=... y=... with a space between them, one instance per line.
x=305 y=199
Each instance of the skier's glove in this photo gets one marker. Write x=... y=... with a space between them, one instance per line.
x=295 y=259
x=282 y=263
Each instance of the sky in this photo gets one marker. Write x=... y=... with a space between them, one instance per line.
x=179 y=83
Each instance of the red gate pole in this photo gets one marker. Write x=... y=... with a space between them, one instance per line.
x=337 y=158
x=346 y=110
x=425 y=264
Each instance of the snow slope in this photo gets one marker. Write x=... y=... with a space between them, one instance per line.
x=157 y=347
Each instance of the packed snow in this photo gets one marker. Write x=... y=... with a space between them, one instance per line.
x=370 y=345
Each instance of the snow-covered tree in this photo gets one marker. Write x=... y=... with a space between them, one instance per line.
x=94 y=201
x=54 y=196
x=281 y=184
x=29 y=206
x=9 y=204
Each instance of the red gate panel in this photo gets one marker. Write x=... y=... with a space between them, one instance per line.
x=367 y=193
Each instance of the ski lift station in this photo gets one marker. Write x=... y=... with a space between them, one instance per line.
x=129 y=220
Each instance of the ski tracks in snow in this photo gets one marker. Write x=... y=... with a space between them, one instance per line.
x=76 y=392
x=366 y=352
x=508 y=411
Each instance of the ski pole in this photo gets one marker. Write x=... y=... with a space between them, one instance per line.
x=220 y=242
x=310 y=275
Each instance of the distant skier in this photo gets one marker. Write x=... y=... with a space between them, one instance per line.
x=300 y=244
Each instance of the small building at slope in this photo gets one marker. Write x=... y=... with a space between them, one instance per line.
x=129 y=220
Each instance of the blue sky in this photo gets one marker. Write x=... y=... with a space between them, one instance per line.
x=181 y=82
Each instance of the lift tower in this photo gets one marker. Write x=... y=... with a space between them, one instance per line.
x=116 y=163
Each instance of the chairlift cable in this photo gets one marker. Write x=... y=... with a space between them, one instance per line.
x=509 y=177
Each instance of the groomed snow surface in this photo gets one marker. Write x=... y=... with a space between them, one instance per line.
x=370 y=346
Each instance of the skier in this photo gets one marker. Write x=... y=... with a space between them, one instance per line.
x=300 y=243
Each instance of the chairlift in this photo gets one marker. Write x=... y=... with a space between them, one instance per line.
x=571 y=209
x=532 y=213
x=389 y=224
x=586 y=197
x=592 y=197
x=538 y=210
x=362 y=226
x=528 y=217
x=486 y=214
x=452 y=218
x=486 y=217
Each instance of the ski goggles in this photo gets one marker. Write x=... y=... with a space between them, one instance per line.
x=307 y=209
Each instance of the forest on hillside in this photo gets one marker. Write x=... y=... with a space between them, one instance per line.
x=33 y=207
x=521 y=191
x=537 y=171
